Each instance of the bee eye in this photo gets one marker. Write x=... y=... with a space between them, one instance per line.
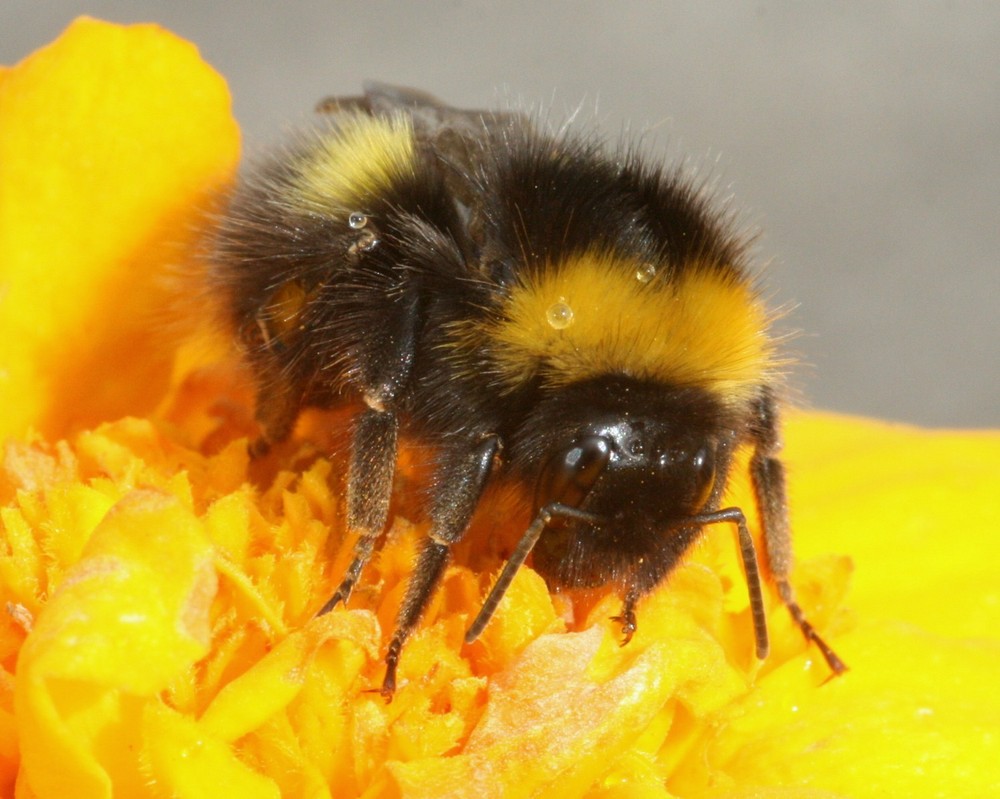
x=572 y=472
x=693 y=472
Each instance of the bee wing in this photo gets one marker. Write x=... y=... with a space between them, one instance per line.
x=456 y=135
x=431 y=117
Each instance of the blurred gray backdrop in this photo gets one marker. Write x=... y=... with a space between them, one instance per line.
x=862 y=138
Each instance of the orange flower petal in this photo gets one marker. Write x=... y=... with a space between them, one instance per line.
x=90 y=218
x=915 y=510
x=160 y=600
x=188 y=764
x=129 y=617
x=915 y=716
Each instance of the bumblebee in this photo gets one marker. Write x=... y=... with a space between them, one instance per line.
x=530 y=306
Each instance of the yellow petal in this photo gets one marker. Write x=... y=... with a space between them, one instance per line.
x=553 y=727
x=913 y=508
x=187 y=763
x=110 y=139
x=130 y=616
x=171 y=641
x=916 y=716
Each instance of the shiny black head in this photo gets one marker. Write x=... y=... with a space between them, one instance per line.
x=642 y=460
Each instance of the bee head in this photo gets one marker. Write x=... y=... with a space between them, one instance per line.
x=641 y=461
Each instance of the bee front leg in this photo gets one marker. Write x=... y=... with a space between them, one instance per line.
x=458 y=487
x=627 y=617
x=768 y=476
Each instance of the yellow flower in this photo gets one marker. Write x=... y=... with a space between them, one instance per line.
x=159 y=637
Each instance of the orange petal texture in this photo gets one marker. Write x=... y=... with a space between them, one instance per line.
x=159 y=589
x=110 y=138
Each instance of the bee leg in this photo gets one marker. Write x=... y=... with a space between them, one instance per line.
x=369 y=489
x=768 y=476
x=627 y=617
x=385 y=371
x=459 y=485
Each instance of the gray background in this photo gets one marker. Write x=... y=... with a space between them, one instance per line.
x=861 y=137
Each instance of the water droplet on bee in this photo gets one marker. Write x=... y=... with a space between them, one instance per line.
x=559 y=315
x=645 y=272
x=357 y=220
